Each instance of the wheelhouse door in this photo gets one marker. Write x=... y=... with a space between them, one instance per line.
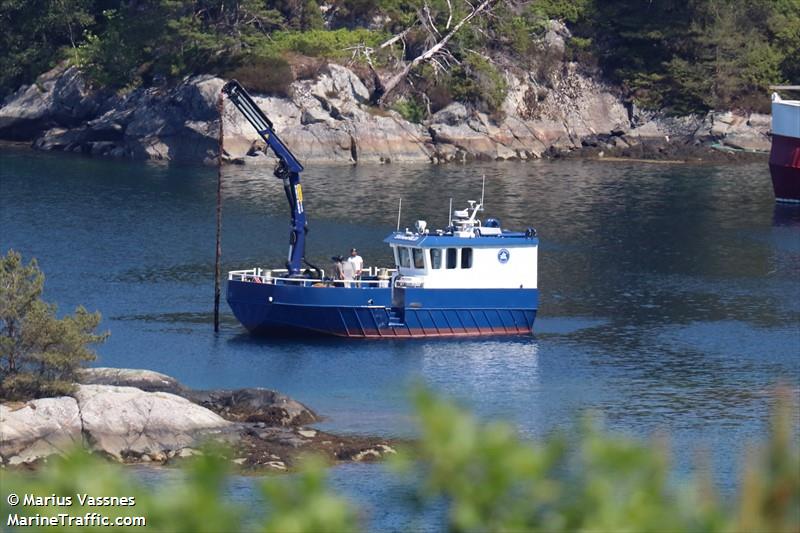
x=398 y=296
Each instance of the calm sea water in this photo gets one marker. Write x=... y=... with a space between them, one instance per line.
x=670 y=294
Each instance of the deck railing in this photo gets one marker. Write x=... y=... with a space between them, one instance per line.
x=372 y=278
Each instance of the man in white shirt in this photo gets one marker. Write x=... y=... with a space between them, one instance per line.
x=356 y=263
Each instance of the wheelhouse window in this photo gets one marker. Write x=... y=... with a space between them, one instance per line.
x=466 y=258
x=436 y=258
x=452 y=257
x=419 y=258
x=405 y=257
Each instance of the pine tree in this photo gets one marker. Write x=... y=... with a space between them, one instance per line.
x=39 y=353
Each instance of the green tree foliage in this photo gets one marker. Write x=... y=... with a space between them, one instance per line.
x=195 y=502
x=34 y=35
x=119 y=54
x=673 y=55
x=477 y=80
x=305 y=503
x=311 y=16
x=138 y=42
x=516 y=24
x=39 y=353
x=704 y=54
x=494 y=481
x=783 y=30
x=490 y=479
x=740 y=51
x=410 y=109
x=271 y=65
x=319 y=43
x=268 y=74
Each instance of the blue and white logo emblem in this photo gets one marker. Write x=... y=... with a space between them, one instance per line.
x=503 y=256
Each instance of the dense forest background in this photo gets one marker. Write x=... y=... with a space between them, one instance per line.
x=680 y=56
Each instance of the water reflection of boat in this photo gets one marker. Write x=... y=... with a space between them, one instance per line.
x=784 y=157
x=786 y=214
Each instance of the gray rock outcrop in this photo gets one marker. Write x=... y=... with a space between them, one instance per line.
x=734 y=130
x=146 y=380
x=141 y=415
x=126 y=422
x=38 y=428
x=255 y=405
x=59 y=112
x=59 y=97
x=242 y=405
x=328 y=119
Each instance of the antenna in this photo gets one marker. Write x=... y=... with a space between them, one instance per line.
x=450 y=214
x=399 y=210
x=483 y=189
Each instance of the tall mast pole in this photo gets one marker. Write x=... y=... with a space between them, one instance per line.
x=217 y=269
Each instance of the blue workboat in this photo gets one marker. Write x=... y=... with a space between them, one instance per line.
x=470 y=278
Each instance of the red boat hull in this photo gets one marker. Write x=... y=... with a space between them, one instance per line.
x=784 y=166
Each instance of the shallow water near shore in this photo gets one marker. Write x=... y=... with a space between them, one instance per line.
x=670 y=294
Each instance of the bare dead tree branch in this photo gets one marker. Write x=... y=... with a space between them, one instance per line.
x=427 y=101
x=390 y=85
x=448 y=57
x=366 y=51
x=427 y=11
x=437 y=65
x=432 y=35
x=398 y=37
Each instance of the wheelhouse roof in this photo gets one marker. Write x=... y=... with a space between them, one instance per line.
x=420 y=240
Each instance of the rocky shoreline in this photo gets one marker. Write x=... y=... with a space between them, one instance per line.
x=141 y=416
x=328 y=119
x=685 y=149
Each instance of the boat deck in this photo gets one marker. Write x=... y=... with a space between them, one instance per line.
x=373 y=278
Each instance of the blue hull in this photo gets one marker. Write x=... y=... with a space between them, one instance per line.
x=368 y=312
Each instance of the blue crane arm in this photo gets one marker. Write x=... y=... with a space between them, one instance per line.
x=245 y=104
x=288 y=170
